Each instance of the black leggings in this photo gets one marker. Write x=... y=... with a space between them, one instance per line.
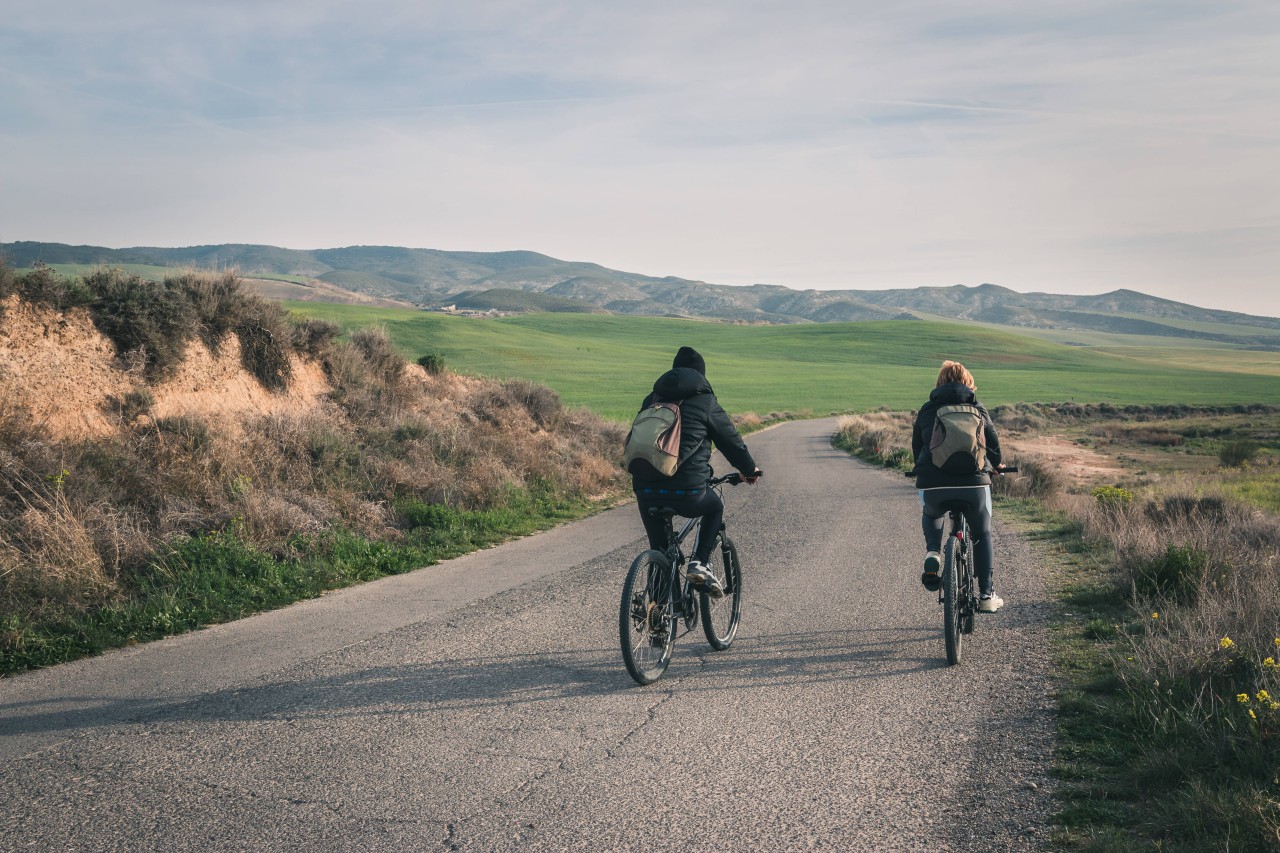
x=705 y=505
x=933 y=519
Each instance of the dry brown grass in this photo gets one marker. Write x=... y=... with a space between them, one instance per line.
x=79 y=519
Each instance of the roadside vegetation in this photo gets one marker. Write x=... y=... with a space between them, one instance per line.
x=172 y=523
x=1169 y=631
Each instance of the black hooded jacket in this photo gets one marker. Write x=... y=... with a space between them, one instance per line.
x=702 y=423
x=928 y=476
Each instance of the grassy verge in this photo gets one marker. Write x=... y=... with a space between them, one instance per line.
x=1166 y=740
x=219 y=576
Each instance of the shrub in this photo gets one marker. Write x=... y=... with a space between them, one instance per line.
x=191 y=432
x=44 y=286
x=1237 y=452
x=542 y=404
x=1035 y=479
x=433 y=363
x=218 y=302
x=883 y=438
x=314 y=337
x=1175 y=575
x=1188 y=510
x=8 y=281
x=266 y=339
x=133 y=405
x=1158 y=437
x=899 y=457
x=1112 y=497
x=140 y=315
x=383 y=359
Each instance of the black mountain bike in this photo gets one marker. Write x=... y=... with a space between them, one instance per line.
x=657 y=597
x=959 y=593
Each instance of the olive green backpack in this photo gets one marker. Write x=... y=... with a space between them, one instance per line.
x=958 y=444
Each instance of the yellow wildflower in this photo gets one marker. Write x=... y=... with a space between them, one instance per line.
x=1274 y=706
x=1155 y=615
x=1226 y=643
x=1253 y=715
x=1263 y=696
x=1242 y=698
x=1269 y=663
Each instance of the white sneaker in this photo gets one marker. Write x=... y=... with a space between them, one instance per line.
x=990 y=603
x=701 y=576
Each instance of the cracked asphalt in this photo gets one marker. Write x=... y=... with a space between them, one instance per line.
x=482 y=704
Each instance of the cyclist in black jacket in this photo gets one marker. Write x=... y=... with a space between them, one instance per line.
x=703 y=423
x=955 y=385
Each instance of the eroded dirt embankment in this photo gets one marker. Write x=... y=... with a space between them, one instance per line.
x=65 y=373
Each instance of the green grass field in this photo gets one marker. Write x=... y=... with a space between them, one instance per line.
x=608 y=363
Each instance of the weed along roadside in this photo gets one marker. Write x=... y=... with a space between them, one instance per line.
x=1167 y=639
x=183 y=453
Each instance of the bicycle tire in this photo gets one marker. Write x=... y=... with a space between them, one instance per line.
x=952 y=605
x=646 y=623
x=720 y=616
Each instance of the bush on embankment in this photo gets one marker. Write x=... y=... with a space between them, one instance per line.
x=174 y=522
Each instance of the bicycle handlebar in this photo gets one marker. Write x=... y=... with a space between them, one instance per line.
x=1008 y=469
x=732 y=479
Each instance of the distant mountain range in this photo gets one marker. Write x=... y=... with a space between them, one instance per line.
x=528 y=281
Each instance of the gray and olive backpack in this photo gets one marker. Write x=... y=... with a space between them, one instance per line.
x=958 y=444
x=654 y=440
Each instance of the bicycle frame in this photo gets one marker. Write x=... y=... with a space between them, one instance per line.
x=963 y=559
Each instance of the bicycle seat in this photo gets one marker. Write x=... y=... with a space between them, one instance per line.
x=660 y=511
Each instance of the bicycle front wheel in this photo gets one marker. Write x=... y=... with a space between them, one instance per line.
x=646 y=624
x=952 y=606
x=720 y=615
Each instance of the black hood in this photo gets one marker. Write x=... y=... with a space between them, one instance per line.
x=952 y=393
x=680 y=383
x=690 y=357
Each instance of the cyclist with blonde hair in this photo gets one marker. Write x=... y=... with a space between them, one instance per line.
x=956 y=449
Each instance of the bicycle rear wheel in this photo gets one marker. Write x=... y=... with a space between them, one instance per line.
x=646 y=624
x=720 y=615
x=952 y=606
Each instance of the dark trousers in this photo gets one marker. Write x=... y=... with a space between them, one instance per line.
x=934 y=518
x=705 y=505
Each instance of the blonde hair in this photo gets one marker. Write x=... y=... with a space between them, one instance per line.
x=954 y=371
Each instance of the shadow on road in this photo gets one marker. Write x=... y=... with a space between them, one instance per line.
x=505 y=680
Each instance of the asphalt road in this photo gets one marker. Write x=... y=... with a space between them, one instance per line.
x=482 y=704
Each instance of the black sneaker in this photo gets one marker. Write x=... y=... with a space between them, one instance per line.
x=930 y=578
x=703 y=578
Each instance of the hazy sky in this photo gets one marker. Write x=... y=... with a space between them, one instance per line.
x=1069 y=147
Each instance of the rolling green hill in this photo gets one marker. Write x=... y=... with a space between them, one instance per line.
x=609 y=362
